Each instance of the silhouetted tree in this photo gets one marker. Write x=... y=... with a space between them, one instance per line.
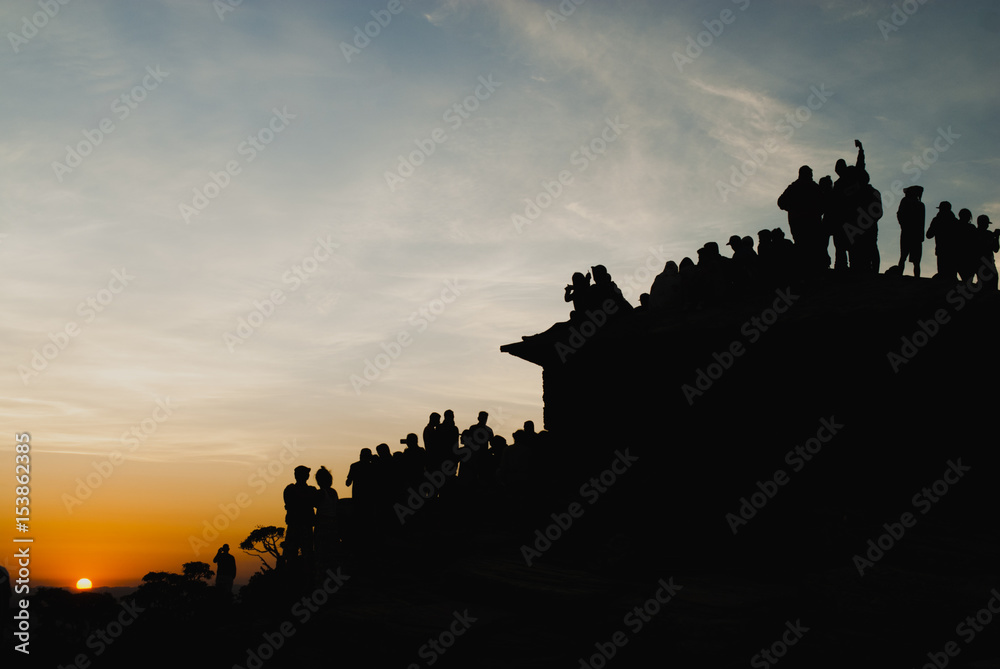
x=269 y=537
x=198 y=570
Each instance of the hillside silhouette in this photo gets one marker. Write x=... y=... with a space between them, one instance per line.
x=778 y=455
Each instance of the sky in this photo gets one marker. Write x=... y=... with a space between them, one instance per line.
x=236 y=237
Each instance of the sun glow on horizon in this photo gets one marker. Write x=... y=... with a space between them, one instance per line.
x=84 y=584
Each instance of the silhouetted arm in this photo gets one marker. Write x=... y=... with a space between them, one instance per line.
x=861 y=155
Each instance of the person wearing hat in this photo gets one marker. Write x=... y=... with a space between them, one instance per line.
x=944 y=231
x=912 y=219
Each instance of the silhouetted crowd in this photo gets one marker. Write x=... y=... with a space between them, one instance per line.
x=389 y=488
x=847 y=210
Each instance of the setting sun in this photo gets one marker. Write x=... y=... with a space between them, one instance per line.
x=84 y=584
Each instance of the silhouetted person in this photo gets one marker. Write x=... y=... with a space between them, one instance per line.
x=966 y=239
x=804 y=204
x=766 y=258
x=388 y=483
x=865 y=244
x=414 y=461
x=577 y=292
x=665 y=291
x=299 y=517
x=988 y=243
x=783 y=256
x=826 y=199
x=605 y=289
x=360 y=477
x=225 y=573
x=715 y=271
x=481 y=432
x=326 y=537
x=434 y=442
x=912 y=220
x=745 y=271
x=516 y=464
x=848 y=199
x=692 y=287
x=944 y=231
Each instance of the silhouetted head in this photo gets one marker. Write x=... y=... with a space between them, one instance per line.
x=410 y=441
x=806 y=173
x=841 y=167
x=435 y=418
x=601 y=274
x=449 y=416
x=747 y=242
x=826 y=182
x=712 y=248
x=302 y=473
x=382 y=450
x=777 y=234
x=529 y=426
x=579 y=279
x=945 y=206
x=764 y=236
x=686 y=264
x=965 y=216
x=324 y=479
x=225 y=548
x=670 y=267
x=914 y=191
x=366 y=455
x=983 y=221
x=483 y=417
x=734 y=242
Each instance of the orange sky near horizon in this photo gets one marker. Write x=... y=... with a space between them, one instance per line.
x=113 y=523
